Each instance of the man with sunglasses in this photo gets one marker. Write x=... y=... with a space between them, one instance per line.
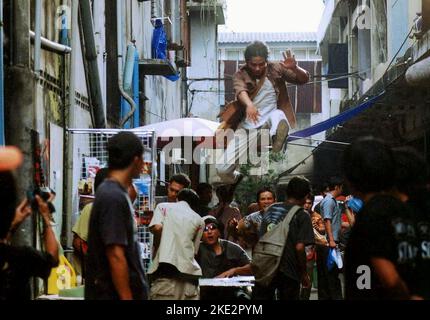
x=260 y=87
x=220 y=258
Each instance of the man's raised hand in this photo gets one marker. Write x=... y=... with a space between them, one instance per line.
x=289 y=60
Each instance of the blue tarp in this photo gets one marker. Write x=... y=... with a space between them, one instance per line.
x=159 y=46
x=337 y=120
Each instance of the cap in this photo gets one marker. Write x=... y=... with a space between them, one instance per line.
x=211 y=219
x=10 y=158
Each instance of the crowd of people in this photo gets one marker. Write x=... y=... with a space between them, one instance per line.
x=372 y=244
x=382 y=227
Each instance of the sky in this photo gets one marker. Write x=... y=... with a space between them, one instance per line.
x=273 y=15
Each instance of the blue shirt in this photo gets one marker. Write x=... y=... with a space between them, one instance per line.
x=330 y=210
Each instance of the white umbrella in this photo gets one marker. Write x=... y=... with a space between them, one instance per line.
x=185 y=127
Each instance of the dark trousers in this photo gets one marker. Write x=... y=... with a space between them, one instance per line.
x=282 y=288
x=329 y=286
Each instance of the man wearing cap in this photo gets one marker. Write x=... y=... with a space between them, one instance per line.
x=220 y=258
x=177 y=229
x=19 y=264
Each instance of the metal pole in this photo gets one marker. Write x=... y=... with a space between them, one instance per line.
x=68 y=191
x=38 y=34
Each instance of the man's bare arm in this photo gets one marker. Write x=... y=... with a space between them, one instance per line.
x=329 y=232
x=238 y=271
x=251 y=111
x=389 y=277
x=301 y=259
x=119 y=271
x=156 y=231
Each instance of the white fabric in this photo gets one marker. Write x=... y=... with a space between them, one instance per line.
x=237 y=148
x=186 y=127
x=265 y=102
x=180 y=238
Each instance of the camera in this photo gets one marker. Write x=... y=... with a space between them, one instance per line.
x=42 y=192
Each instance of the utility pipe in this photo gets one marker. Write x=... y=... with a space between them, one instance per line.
x=120 y=63
x=92 y=64
x=136 y=91
x=38 y=35
x=127 y=83
x=51 y=45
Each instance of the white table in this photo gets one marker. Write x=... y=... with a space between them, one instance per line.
x=228 y=282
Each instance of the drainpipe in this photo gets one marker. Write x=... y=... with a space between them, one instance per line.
x=136 y=93
x=419 y=73
x=2 y=133
x=120 y=64
x=37 y=35
x=92 y=66
x=128 y=83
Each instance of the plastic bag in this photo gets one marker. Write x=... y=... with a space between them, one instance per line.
x=159 y=46
x=334 y=259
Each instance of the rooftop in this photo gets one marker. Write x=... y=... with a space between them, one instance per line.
x=246 y=37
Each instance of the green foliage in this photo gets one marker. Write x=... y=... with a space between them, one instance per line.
x=246 y=191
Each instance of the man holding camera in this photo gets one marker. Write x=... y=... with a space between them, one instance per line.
x=19 y=264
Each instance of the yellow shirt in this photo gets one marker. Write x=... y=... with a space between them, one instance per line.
x=82 y=225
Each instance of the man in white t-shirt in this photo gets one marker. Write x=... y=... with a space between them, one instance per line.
x=177 y=230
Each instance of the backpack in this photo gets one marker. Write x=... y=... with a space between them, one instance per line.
x=267 y=253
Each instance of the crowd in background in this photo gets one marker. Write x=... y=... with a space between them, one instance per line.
x=363 y=236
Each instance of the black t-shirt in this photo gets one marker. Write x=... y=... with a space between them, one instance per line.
x=420 y=282
x=300 y=231
x=383 y=229
x=17 y=266
x=112 y=223
x=232 y=256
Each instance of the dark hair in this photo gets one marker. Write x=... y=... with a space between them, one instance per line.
x=122 y=149
x=101 y=175
x=334 y=182
x=190 y=197
x=202 y=187
x=263 y=190
x=411 y=170
x=256 y=49
x=182 y=179
x=224 y=194
x=311 y=197
x=8 y=200
x=369 y=165
x=298 y=188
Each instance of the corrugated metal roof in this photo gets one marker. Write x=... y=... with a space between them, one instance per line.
x=246 y=37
